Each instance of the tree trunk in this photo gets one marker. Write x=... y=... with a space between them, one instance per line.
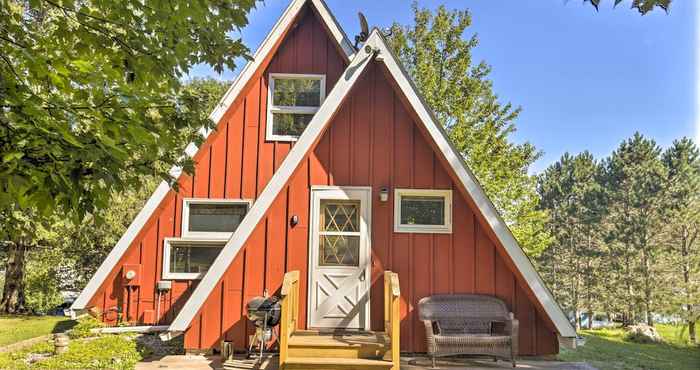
x=13 y=290
x=691 y=332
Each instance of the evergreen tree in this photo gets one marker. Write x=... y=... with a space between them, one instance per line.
x=438 y=57
x=634 y=179
x=682 y=231
x=570 y=192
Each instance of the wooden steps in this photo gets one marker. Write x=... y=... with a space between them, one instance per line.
x=367 y=345
x=317 y=363
x=343 y=350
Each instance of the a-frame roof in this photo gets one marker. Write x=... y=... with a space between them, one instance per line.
x=266 y=48
x=375 y=48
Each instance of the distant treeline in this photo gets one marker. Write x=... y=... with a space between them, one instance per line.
x=625 y=231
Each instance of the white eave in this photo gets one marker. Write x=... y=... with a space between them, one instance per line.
x=221 y=108
x=375 y=45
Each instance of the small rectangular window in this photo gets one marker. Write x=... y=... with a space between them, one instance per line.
x=189 y=259
x=212 y=218
x=423 y=211
x=293 y=99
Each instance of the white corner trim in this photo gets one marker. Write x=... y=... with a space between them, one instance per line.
x=476 y=192
x=120 y=248
x=445 y=228
x=307 y=139
x=239 y=83
x=269 y=127
x=194 y=242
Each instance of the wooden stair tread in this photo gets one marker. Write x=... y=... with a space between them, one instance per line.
x=339 y=340
x=338 y=361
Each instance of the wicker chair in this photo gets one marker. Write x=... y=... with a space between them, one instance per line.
x=468 y=324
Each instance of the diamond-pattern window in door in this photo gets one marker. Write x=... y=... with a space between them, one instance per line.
x=339 y=250
x=339 y=233
x=340 y=216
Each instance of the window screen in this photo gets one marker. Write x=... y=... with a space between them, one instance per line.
x=294 y=99
x=192 y=258
x=213 y=217
x=422 y=210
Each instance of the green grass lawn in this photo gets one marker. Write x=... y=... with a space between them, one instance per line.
x=17 y=328
x=606 y=349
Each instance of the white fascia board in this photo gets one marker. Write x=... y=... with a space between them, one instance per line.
x=306 y=141
x=468 y=180
x=334 y=27
x=239 y=83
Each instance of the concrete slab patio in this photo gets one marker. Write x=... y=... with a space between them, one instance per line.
x=197 y=362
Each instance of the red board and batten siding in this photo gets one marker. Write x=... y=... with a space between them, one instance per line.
x=373 y=140
x=235 y=162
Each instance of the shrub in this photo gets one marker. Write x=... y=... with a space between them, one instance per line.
x=82 y=329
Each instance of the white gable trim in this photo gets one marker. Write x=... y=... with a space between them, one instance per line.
x=468 y=180
x=222 y=107
x=306 y=141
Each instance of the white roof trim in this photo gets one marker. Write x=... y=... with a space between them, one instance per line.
x=476 y=192
x=310 y=136
x=238 y=84
x=306 y=141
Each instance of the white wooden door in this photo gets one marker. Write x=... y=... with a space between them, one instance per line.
x=340 y=254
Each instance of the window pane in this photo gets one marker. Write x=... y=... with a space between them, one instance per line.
x=339 y=250
x=422 y=210
x=216 y=217
x=338 y=215
x=297 y=92
x=192 y=259
x=290 y=124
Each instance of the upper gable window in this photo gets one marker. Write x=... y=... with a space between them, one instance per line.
x=423 y=211
x=293 y=101
x=212 y=218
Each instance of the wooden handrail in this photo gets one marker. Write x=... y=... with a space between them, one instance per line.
x=290 y=312
x=392 y=315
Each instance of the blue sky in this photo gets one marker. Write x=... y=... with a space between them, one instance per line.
x=585 y=80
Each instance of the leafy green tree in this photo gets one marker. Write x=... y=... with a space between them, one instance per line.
x=91 y=97
x=634 y=189
x=76 y=247
x=682 y=231
x=570 y=192
x=643 y=6
x=438 y=57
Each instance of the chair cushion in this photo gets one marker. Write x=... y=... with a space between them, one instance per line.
x=460 y=326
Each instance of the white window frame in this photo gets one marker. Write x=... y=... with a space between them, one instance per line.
x=445 y=228
x=269 y=135
x=220 y=235
x=167 y=245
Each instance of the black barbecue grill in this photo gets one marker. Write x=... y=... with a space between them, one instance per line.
x=265 y=313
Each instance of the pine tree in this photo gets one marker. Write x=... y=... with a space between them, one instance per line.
x=682 y=231
x=634 y=187
x=571 y=194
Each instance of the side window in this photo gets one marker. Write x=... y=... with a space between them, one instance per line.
x=293 y=99
x=212 y=218
x=189 y=259
x=423 y=211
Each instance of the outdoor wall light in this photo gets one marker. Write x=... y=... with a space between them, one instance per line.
x=384 y=194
